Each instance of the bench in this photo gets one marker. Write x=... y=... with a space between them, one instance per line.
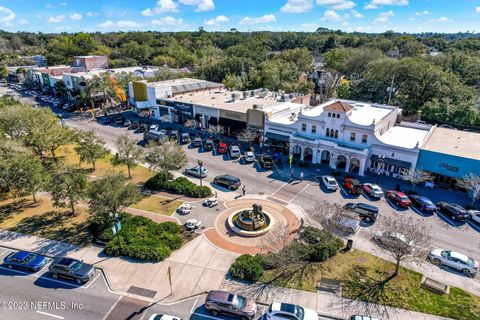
x=329 y=285
x=435 y=286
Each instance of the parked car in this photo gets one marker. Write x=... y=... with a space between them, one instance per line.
x=234 y=151
x=222 y=302
x=228 y=181
x=197 y=142
x=209 y=145
x=24 y=260
x=142 y=127
x=133 y=126
x=329 y=183
x=249 y=157
x=455 y=211
x=266 y=162
x=399 y=198
x=283 y=311
x=360 y=317
x=388 y=238
x=373 y=190
x=365 y=211
x=185 y=138
x=222 y=147
x=196 y=171
x=154 y=135
x=118 y=121
x=454 y=260
x=474 y=215
x=153 y=127
x=353 y=186
x=174 y=135
x=423 y=204
x=163 y=317
x=127 y=123
x=71 y=269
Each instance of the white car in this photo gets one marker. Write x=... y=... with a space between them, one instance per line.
x=249 y=157
x=282 y=311
x=474 y=215
x=163 y=317
x=372 y=190
x=454 y=260
x=330 y=183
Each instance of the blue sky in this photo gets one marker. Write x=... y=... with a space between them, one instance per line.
x=245 y=15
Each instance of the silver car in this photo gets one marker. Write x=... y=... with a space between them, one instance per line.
x=197 y=171
x=455 y=260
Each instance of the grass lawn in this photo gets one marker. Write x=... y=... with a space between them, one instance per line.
x=140 y=174
x=42 y=220
x=403 y=291
x=158 y=205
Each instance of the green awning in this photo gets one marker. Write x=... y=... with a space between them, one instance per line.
x=276 y=136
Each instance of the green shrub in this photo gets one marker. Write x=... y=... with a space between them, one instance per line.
x=180 y=185
x=247 y=267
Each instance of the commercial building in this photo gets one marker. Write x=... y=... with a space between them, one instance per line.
x=450 y=154
x=350 y=136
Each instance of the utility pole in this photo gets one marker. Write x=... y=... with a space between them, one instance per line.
x=200 y=173
x=391 y=89
x=243 y=75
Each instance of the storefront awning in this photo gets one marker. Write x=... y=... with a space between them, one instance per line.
x=393 y=162
x=276 y=136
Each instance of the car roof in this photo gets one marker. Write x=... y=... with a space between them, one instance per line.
x=65 y=261
x=285 y=307
x=21 y=255
x=366 y=206
x=459 y=256
x=234 y=146
x=229 y=176
x=220 y=295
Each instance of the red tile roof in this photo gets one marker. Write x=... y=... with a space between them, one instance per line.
x=339 y=106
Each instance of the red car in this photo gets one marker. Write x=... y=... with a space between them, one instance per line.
x=222 y=148
x=399 y=198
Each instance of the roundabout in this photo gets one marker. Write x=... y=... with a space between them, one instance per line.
x=252 y=226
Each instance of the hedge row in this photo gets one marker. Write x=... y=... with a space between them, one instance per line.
x=163 y=182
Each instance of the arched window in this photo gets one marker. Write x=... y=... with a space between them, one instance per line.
x=329 y=114
x=336 y=133
x=328 y=132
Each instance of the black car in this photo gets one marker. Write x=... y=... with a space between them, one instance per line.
x=455 y=211
x=133 y=126
x=365 y=211
x=266 y=162
x=423 y=203
x=142 y=127
x=118 y=121
x=71 y=269
x=209 y=145
x=185 y=138
x=197 y=142
x=228 y=181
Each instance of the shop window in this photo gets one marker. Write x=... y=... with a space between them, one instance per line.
x=364 y=138
x=328 y=132
x=352 y=136
x=336 y=133
x=304 y=127
x=314 y=128
x=338 y=115
x=329 y=114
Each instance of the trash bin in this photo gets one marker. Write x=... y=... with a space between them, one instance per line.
x=397 y=187
x=349 y=244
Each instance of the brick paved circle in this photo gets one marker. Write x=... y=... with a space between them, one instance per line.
x=283 y=231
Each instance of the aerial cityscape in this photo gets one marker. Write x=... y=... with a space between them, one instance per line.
x=252 y=160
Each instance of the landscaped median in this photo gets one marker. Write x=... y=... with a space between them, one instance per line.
x=361 y=276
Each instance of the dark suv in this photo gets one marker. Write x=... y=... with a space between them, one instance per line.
x=228 y=181
x=72 y=269
x=455 y=211
x=209 y=145
x=230 y=304
x=366 y=211
x=266 y=162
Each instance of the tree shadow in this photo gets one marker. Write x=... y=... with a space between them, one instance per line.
x=17 y=206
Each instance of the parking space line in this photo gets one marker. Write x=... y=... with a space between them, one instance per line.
x=50 y=315
x=112 y=307
x=303 y=189
x=92 y=280
x=205 y=316
x=443 y=235
x=194 y=305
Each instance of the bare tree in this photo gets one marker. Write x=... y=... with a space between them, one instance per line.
x=189 y=123
x=416 y=176
x=333 y=217
x=247 y=136
x=471 y=183
x=216 y=129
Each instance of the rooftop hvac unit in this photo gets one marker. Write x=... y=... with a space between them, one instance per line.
x=244 y=95
x=252 y=93
x=257 y=107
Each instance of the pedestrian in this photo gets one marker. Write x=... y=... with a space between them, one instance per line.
x=216 y=195
x=291 y=174
x=301 y=176
x=243 y=190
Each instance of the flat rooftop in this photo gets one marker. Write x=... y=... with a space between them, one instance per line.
x=185 y=84
x=91 y=73
x=454 y=142
x=221 y=99
x=404 y=137
x=362 y=113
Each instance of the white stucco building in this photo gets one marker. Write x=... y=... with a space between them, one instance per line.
x=349 y=135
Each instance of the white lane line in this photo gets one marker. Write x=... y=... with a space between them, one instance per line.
x=205 y=316
x=111 y=309
x=303 y=189
x=444 y=235
x=194 y=305
x=279 y=188
x=50 y=315
x=92 y=280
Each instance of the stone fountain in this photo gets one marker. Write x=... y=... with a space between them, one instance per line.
x=250 y=222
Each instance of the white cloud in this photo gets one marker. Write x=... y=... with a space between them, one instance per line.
x=309 y=26
x=297 y=6
x=6 y=15
x=356 y=14
x=202 y=5
x=63 y=4
x=337 y=4
x=477 y=9
x=56 y=19
x=126 y=24
x=48 y=6
x=92 y=14
x=164 y=6
x=23 y=21
x=75 y=16
x=147 y=12
x=263 y=19
x=422 y=13
x=443 y=19
x=167 y=21
x=331 y=15
x=374 y=4
x=62 y=28
x=384 y=17
x=216 y=21
x=106 y=24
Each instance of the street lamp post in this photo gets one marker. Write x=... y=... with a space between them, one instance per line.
x=200 y=165
x=381 y=159
x=116 y=221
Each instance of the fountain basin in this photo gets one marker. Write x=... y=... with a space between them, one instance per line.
x=240 y=224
